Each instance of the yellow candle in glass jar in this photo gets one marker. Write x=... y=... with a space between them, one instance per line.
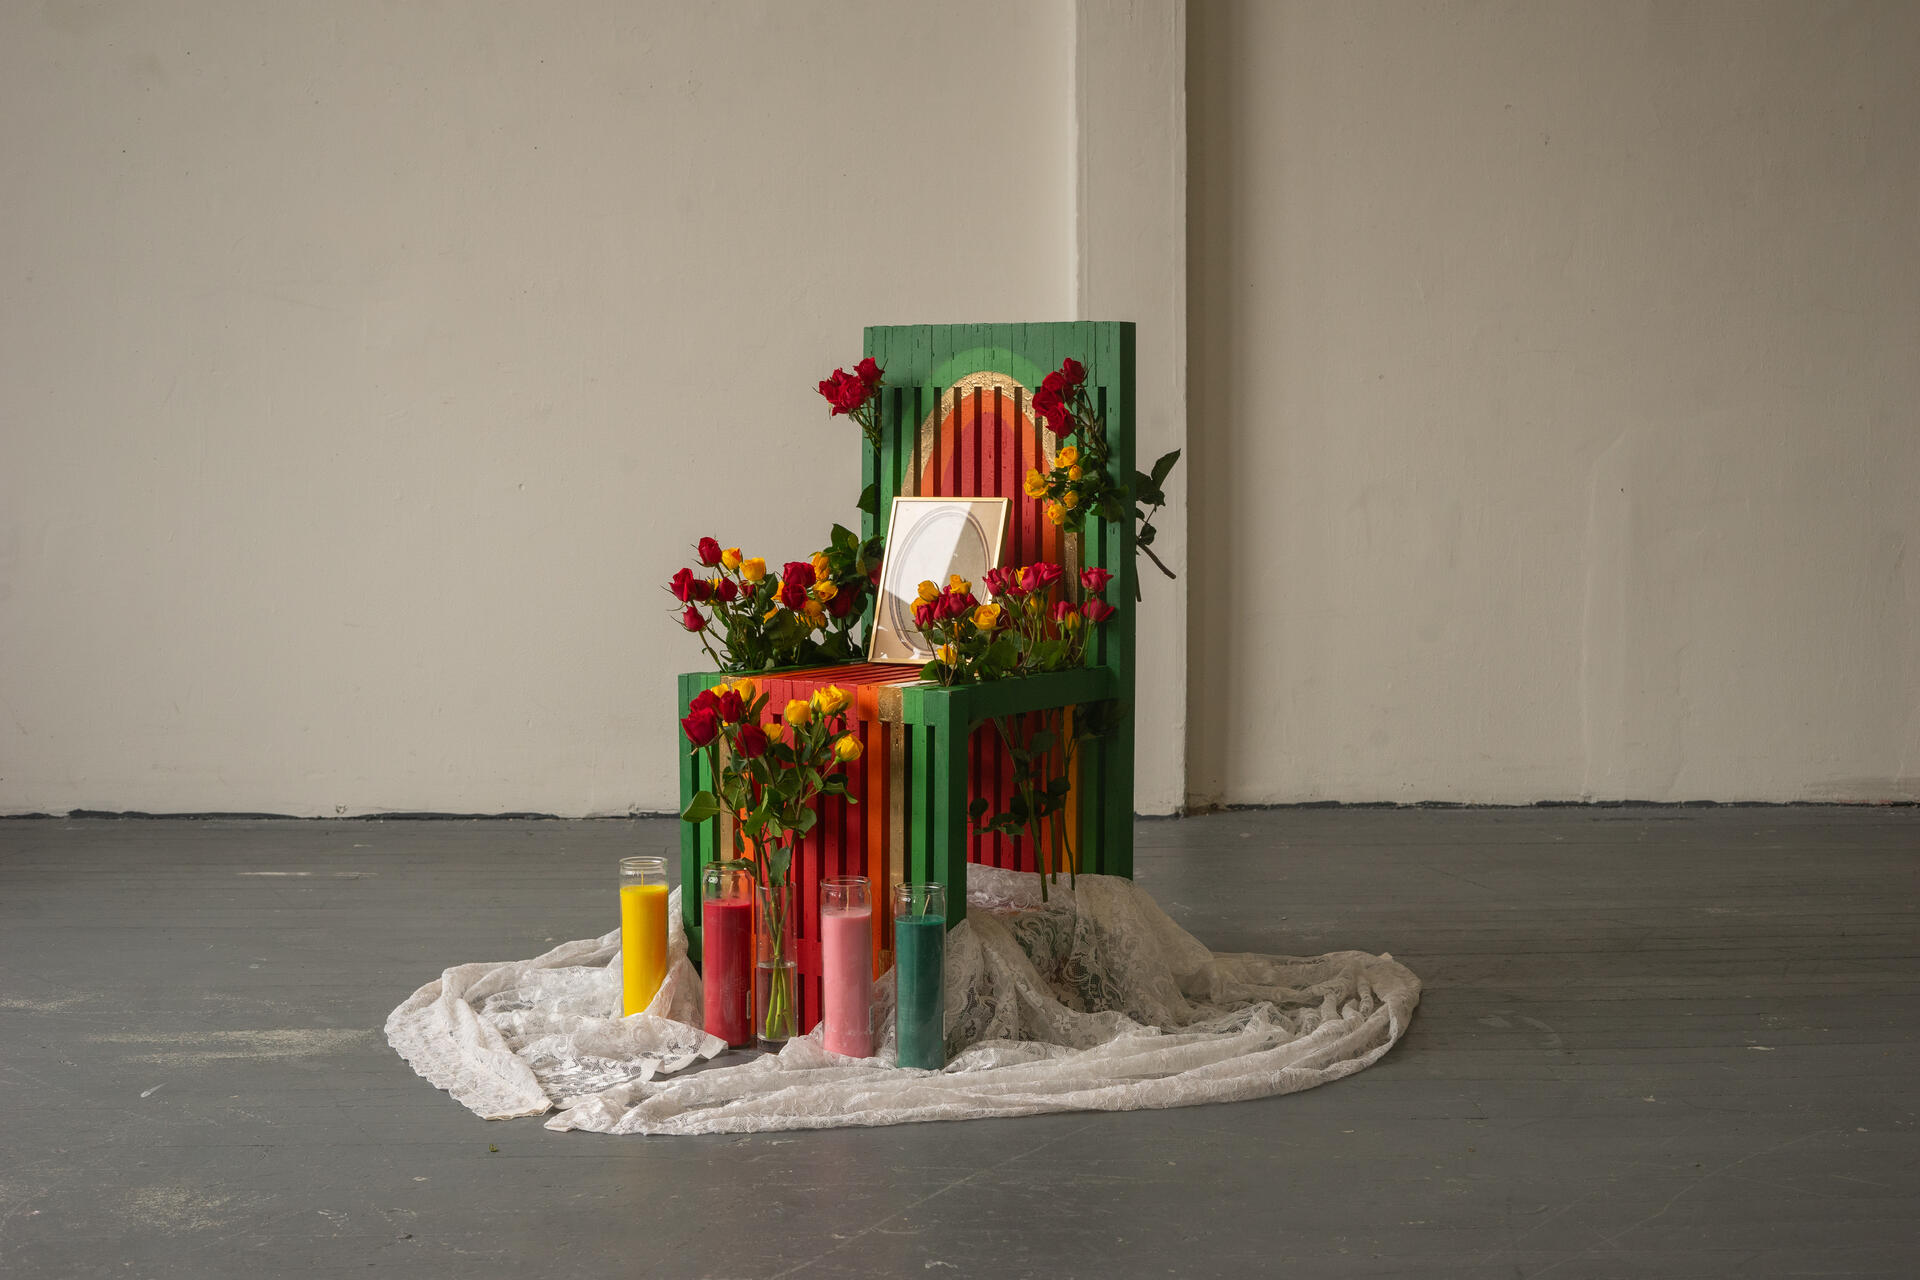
x=643 y=931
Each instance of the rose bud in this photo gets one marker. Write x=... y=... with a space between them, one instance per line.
x=709 y=550
x=692 y=620
x=750 y=742
x=1095 y=579
x=1098 y=610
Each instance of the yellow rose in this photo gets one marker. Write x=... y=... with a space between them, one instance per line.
x=832 y=700
x=824 y=591
x=774 y=612
x=947 y=654
x=798 y=713
x=1067 y=456
x=929 y=592
x=1069 y=499
x=1056 y=513
x=958 y=584
x=730 y=559
x=815 y=614
x=821 y=569
x=1073 y=473
x=1070 y=623
x=846 y=749
x=745 y=688
x=987 y=617
x=1036 y=485
x=753 y=570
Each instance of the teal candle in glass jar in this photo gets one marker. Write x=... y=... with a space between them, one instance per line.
x=920 y=975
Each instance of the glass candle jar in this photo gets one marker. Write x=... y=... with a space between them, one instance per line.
x=846 y=966
x=920 y=974
x=643 y=931
x=726 y=948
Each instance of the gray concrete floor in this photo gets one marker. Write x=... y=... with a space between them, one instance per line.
x=1653 y=1042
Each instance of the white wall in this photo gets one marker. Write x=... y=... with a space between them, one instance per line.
x=364 y=368
x=1556 y=401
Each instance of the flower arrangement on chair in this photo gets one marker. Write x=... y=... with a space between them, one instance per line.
x=749 y=619
x=768 y=777
x=1021 y=630
x=1081 y=478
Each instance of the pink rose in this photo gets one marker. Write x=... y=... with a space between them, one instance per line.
x=1095 y=579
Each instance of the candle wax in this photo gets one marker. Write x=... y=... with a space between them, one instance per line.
x=920 y=949
x=846 y=988
x=643 y=944
x=726 y=971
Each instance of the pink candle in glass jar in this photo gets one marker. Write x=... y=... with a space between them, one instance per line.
x=846 y=962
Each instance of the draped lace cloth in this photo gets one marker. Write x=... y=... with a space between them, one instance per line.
x=1094 y=1001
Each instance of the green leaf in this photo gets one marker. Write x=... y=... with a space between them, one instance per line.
x=1164 y=467
x=805 y=821
x=1059 y=787
x=843 y=538
x=701 y=808
x=978 y=807
x=869 y=500
x=1146 y=536
x=1040 y=743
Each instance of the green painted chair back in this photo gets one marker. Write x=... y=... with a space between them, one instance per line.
x=956 y=420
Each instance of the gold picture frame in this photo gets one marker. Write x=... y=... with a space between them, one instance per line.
x=930 y=539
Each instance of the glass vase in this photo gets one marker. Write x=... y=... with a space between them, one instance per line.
x=726 y=949
x=920 y=975
x=776 y=985
x=643 y=931
x=846 y=966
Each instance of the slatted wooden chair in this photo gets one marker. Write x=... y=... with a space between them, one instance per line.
x=956 y=420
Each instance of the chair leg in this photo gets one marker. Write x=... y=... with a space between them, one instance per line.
x=950 y=816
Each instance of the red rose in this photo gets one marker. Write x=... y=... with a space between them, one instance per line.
x=709 y=552
x=1073 y=371
x=682 y=585
x=797 y=571
x=1053 y=412
x=1039 y=576
x=1063 y=609
x=701 y=590
x=704 y=701
x=793 y=596
x=727 y=591
x=701 y=727
x=846 y=391
x=1098 y=610
x=692 y=620
x=750 y=742
x=732 y=707
x=868 y=372
x=1095 y=579
x=1054 y=384
x=834 y=389
x=843 y=602
x=1003 y=582
x=923 y=615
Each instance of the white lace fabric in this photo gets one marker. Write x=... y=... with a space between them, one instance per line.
x=1094 y=1001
